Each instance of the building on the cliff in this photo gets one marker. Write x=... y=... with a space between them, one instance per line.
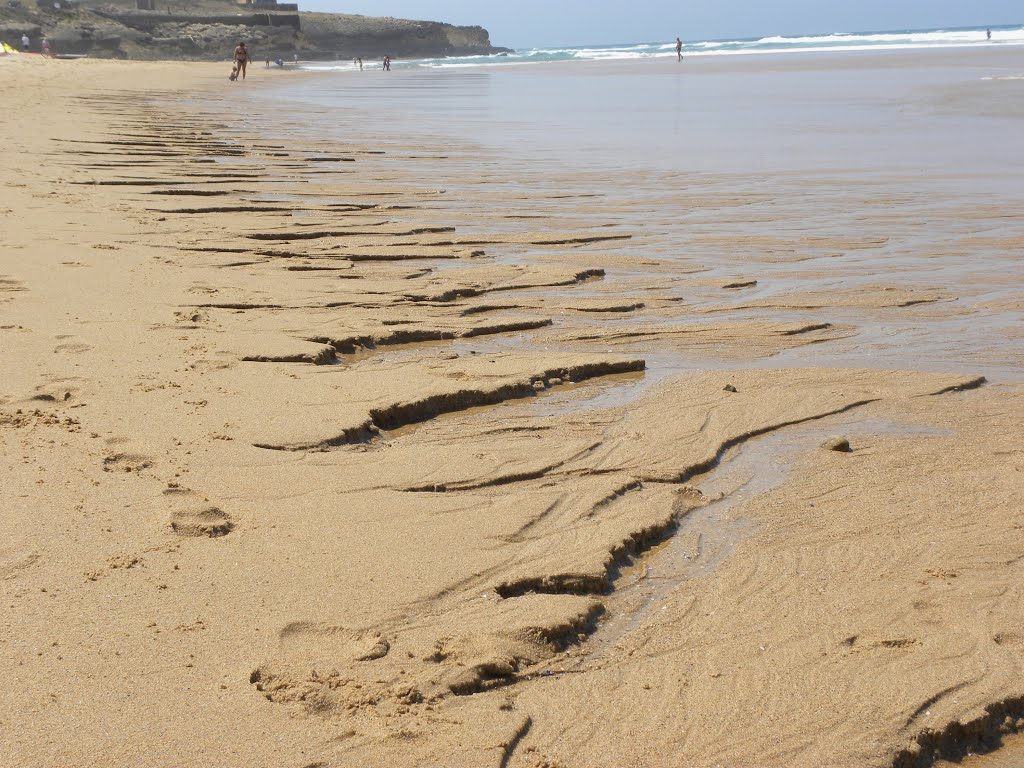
x=269 y=5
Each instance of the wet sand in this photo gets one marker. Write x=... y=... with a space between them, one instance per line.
x=1009 y=755
x=420 y=450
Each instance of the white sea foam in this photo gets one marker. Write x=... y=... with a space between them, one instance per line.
x=842 y=38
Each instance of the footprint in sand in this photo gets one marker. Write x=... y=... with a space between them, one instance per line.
x=54 y=392
x=126 y=462
x=72 y=348
x=190 y=318
x=47 y=397
x=13 y=562
x=1009 y=638
x=202 y=522
x=7 y=285
x=202 y=365
x=303 y=638
x=859 y=643
x=305 y=645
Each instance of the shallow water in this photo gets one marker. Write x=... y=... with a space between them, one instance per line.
x=818 y=175
x=707 y=535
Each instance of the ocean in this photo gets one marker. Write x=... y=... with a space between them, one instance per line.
x=964 y=37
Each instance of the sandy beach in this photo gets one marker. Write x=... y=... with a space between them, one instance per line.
x=329 y=445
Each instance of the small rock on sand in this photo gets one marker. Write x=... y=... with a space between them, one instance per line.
x=730 y=388
x=837 y=443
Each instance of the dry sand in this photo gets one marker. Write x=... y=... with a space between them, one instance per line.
x=343 y=489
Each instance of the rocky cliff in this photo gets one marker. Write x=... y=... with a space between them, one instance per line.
x=209 y=29
x=339 y=36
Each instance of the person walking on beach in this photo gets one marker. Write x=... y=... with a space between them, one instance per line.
x=45 y=43
x=679 y=49
x=988 y=34
x=25 y=43
x=241 y=57
x=359 y=60
x=387 y=63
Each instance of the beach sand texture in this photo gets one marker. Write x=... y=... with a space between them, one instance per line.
x=310 y=459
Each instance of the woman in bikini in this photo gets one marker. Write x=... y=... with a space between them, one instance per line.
x=241 y=56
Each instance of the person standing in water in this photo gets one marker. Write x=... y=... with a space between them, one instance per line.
x=988 y=34
x=387 y=63
x=679 y=49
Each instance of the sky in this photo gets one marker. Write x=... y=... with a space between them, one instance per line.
x=540 y=23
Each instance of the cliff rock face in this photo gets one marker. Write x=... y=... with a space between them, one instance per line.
x=340 y=36
x=209 y=30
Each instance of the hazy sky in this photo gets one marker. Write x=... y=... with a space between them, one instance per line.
x=529 y=23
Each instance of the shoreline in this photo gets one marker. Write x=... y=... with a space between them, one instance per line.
x=455 y=545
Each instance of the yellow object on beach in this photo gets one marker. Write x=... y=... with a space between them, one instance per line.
x=7 y=49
